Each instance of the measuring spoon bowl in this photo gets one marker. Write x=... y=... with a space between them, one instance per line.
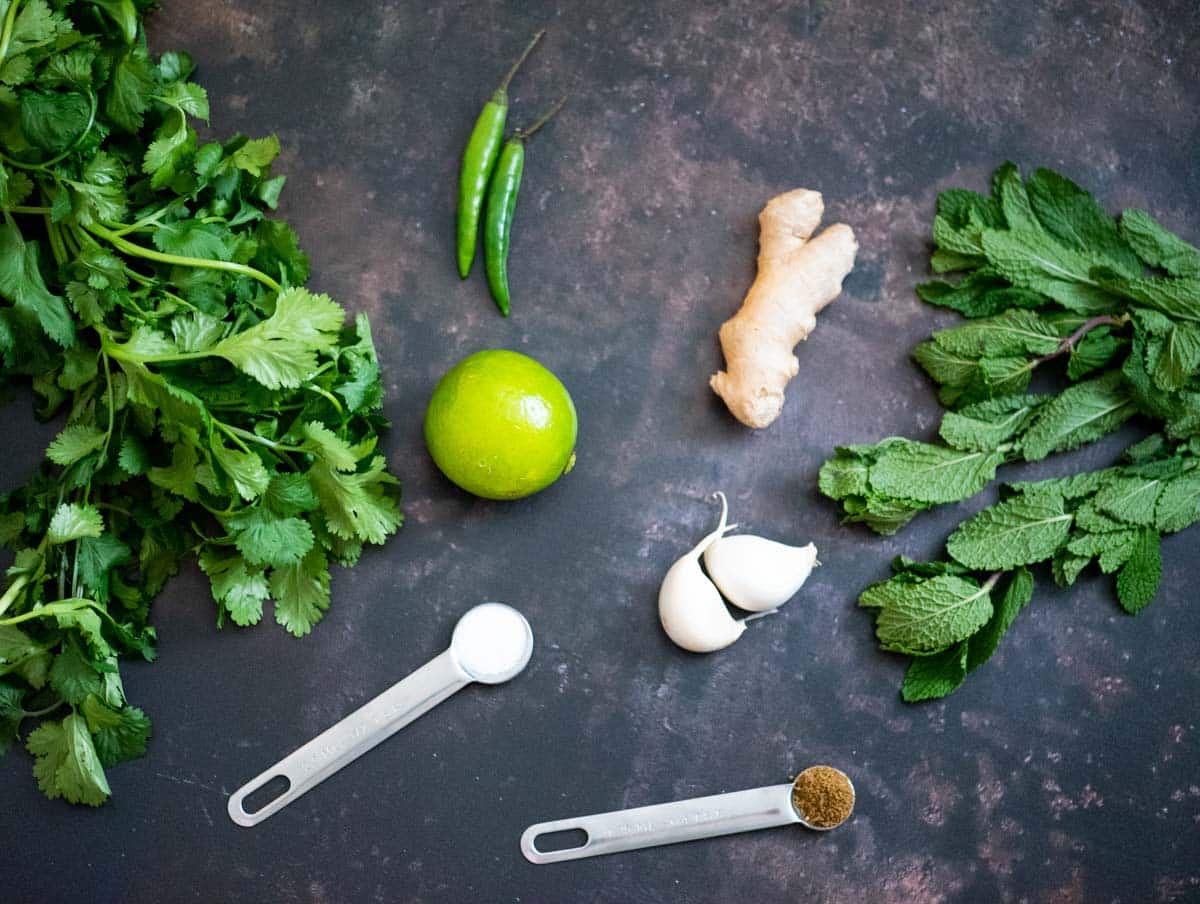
x=492 y=643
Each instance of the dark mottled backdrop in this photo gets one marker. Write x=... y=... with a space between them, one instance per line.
x=1065 y=771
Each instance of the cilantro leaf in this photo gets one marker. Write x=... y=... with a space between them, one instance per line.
x=281 y=351
x=75 y=442
x=359 y=505
x=72 y=521
x=301 y=592
x=118 y=735
x=21 y=281
x=240 y=589
x=66 y=764
x=131 y=89
x=265 y=539
x=12 y=712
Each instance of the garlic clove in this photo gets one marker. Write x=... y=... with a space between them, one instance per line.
x=757 y=574
x=690 y=607
x=692 y=611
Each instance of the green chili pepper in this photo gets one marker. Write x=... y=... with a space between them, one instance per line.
x=501 y=205
x=478 y=161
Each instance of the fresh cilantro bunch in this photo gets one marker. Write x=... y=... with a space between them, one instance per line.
x=213 y=408
x=1049 y=279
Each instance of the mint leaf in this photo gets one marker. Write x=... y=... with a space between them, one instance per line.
x=1179 y=358
x=1157 y=246
x=1130 y=499
x=927 y=616
x=1073 y=217
x=1010 y=333
x=987 y=425
x=1032 y=260
x=1139 y=576
x=844 y=475
x=928 y=473
x=1178 y=505
x=1017 y=595
x=1080 y=414
x=930 y=677
x=1019 y=531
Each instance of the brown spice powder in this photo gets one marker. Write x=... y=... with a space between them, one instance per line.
x=823 y=796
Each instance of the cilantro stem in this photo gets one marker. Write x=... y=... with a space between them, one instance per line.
x=235 y=432
x=25 y=208
x=6 y=35
x=57 y=248
x=111 y=406
x=178 y=260
x=119 y=229
x=38 y=713
x=13 y=591
x=327 y=394
x=72 y=605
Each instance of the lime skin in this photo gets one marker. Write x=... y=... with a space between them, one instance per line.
x=501 y=426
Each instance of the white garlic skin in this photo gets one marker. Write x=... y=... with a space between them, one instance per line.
x=757 y=574
x=689 y=606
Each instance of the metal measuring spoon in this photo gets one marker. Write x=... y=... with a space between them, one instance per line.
x=684 y=820
x=492 y=643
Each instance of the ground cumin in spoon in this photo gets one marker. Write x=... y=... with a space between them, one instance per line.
x=823 y=796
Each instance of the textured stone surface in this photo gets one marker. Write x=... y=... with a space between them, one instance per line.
x=1065 y=771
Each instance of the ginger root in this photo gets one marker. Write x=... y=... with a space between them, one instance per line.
x=797 y=277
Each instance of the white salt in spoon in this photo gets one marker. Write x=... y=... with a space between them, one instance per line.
x=492 y=643
x=683 y=820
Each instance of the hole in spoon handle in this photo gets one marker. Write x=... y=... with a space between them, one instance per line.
x=353 y=736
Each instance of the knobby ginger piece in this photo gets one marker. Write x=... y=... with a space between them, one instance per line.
x=797 y=277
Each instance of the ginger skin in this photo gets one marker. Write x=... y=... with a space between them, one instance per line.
x=797 y=277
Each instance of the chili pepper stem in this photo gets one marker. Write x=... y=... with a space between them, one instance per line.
x=502 y=91
x=526 y=134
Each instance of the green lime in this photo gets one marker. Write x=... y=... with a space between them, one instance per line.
x=501 y=426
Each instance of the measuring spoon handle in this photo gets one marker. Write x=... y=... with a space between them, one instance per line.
x=685 y=820
x=353 y=736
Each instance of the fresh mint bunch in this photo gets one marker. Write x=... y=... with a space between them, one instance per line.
x=950 y=622
x=212 y=407
x=1111 y=306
